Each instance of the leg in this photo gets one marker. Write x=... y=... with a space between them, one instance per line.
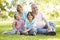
x=33 y=31
x=53 y=29
x=10 y=32
x=41 y=31
x=21 y=31
x=52 y=26
x=18 y=32
x=45 y=29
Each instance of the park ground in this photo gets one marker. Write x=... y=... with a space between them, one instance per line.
x=8 y=26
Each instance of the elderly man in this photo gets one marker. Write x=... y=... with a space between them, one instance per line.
x=43 y=26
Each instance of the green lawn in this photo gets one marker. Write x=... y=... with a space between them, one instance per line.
x=7 y=26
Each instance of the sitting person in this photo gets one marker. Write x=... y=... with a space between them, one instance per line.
x=30 y=24
x=43 y=26
x=21 y=13
x=18 y=26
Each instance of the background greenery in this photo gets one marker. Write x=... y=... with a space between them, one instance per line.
x=8 y=8
x=48 y=7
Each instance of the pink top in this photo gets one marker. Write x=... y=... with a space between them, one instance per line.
x=19 y=24
x=39 y=20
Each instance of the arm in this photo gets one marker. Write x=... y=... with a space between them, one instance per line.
x=33 y=25
x=49 y=27
x=26 y=30
x=13 y=24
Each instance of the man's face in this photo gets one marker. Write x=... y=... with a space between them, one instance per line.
x=34 y=8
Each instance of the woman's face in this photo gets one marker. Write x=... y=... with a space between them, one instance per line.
x=30 y=17
x=19 y=9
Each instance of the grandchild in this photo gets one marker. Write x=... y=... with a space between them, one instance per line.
x=18 y=26
x=30 y=24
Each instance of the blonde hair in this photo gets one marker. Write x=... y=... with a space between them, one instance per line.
x=19 y=6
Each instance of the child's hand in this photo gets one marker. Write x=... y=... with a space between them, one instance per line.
x=25 y=32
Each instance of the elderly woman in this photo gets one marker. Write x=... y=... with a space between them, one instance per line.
x=43 y=26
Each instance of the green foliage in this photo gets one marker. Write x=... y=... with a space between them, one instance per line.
x=44 y=4
x=4 y=14
x=11 y=14
x=53 y=14
x=1 y=5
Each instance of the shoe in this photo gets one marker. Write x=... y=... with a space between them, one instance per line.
x=50 y=33
x=18 y=32
x=34 y=33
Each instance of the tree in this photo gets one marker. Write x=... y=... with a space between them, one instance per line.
x=3 y=3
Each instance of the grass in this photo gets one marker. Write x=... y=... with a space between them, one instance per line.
x=7 y=26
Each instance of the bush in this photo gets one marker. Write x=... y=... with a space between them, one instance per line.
x=11 y=14
x=4 y=14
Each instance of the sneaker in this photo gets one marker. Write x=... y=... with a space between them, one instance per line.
x=50 y=33
x=18 y=32
x=34 y=33
x=5 y=32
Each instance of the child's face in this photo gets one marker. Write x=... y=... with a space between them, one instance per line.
x=17 y=17
x=30 y=17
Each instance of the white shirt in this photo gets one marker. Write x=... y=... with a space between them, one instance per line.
x=39 y=20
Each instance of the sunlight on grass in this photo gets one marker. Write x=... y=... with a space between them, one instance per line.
x=8 y=26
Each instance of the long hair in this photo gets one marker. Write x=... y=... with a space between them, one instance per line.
x=31 y=15
x=19 y=6
x=15 y=16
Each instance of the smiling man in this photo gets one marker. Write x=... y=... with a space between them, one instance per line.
x=43 y=26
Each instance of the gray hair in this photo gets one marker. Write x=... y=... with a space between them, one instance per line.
x=34 y=4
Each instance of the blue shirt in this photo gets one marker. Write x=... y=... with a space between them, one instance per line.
x=29 y=25
x=23 y=16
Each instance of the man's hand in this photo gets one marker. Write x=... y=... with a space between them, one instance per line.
x=49 y=28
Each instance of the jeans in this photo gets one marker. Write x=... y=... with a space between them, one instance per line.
x=14 y=31
x=45 y=29
x=31 y=32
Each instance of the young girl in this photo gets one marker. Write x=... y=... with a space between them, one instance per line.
x=30 y=24
x=18 y=26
